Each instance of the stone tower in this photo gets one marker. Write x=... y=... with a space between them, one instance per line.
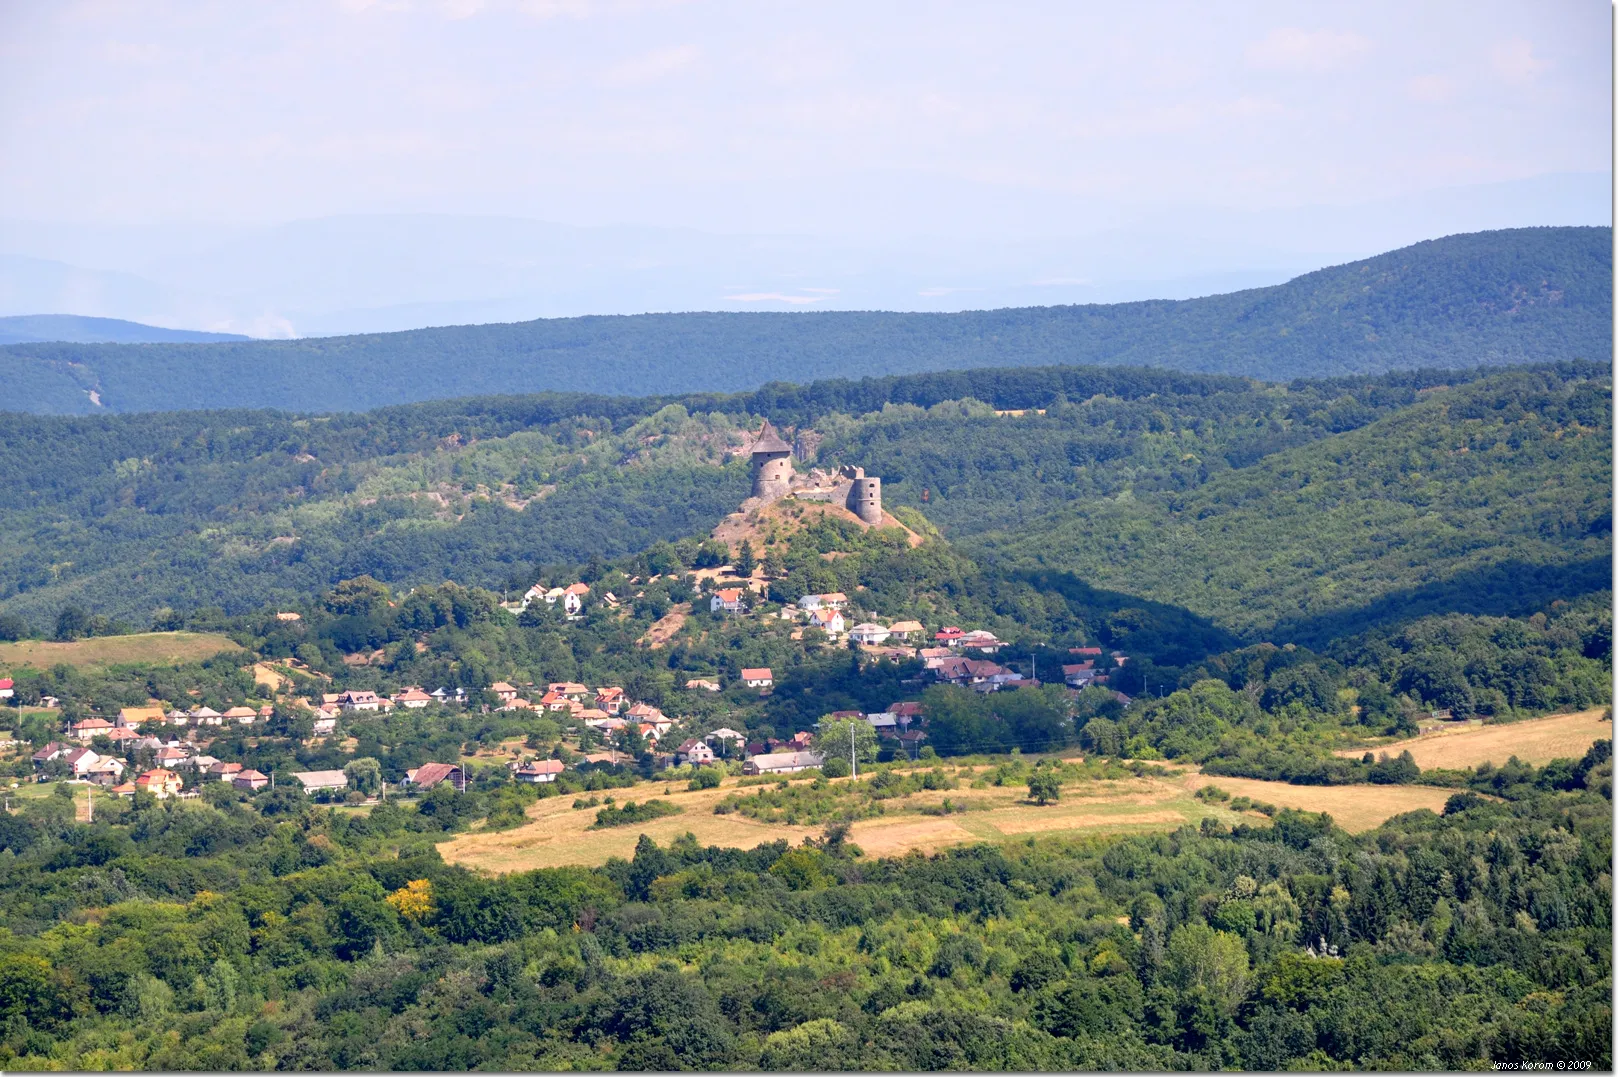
x=865 y=498
x=772 y=465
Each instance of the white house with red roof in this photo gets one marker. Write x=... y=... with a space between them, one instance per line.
x=727 y=600
x=759 y=677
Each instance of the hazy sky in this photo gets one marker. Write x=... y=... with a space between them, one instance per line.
x=860 y=118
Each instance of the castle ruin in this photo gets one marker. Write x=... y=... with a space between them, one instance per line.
x=774 y=478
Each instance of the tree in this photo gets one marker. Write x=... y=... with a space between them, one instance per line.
x=746 y=561
x=72 y=623
x=1044 y=786
x=362 y=596
x=13 y=627
x=1201 y=958
x=365 y=775
x=833 y=739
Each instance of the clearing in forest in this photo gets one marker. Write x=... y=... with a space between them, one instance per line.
x=666 y=627
x=140 y=649
x=1352 y=807
x=1537 y=741
x=558 y=834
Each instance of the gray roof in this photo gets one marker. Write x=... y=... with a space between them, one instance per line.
x=781 y=760
x=322 y=779
x=769 y=441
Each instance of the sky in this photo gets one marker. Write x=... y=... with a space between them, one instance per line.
x=849 y=122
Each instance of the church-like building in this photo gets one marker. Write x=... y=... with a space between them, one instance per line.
x=774 y=478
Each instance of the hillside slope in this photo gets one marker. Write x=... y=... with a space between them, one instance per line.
x=1298 y=510
x=1489 y=498
x=1488 y=298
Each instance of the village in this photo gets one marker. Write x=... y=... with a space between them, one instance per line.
x=164 y=750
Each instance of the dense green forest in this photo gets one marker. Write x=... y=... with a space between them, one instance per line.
x=261 y=931
x=1303 y=511
x=1488 y=298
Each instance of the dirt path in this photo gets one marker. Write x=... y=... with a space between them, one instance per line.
x=1537 y=741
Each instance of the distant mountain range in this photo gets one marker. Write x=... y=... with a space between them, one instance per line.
x=1482 y=299
x=75 y=329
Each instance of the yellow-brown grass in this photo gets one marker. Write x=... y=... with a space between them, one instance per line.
x=145 y=648
x=558 y=835
x=1537 y=741
x=666 y=627
x=1352 y=807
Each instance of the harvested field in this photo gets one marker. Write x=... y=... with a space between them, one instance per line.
x=1537 y=741
x=559 y=834
x=1352 y=807
x=145 y=648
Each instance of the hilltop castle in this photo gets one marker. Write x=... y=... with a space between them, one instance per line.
x=773 y=479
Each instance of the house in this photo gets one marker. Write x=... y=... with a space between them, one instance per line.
x=206 y=716
x=125 y=790
x=48 y=753
x=106 y=771
x=224 y=772
x=250 y=780
x=518 y=704
x=325 y=725
x=725 y=734
x=979 y=640
x=132 y=717
x=538 y=771
x=883 y=722
x=932 y=655
x=695 y=752
x=429 y=775
x=1079 y=674
x=1085 y=652
x=903 y=630
x=177 y=717
x=79 y=761
x=161 y=783
x=241 y=715
x=905 y=712
x=868 y=633
x=168 y=757
x=728 y=600
x=829 y=621
x=760 y=677
x=1119 y=658
x=90 y=727
x=7 y=688
x=702 y=683
x=836 y=600
x=121 y=735
x=412 y=699
x=801 y=740
x=782 y=763
x=198 y=763
x=573 y=598
x=967 y=671
x=506 y=692
x=809 y=603
x=320 y=781
x=443 y=695
x=948 y=635
x=359 y=700
x=266 y=712
x=571 y=689
x=610 y=699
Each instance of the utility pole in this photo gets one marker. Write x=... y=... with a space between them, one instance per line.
x=90 y=800
x=853 y=757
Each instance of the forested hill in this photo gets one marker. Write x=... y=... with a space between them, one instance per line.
x=1488 y=298
x=1300 y=511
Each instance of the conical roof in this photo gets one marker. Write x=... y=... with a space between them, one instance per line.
x=769 y=441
